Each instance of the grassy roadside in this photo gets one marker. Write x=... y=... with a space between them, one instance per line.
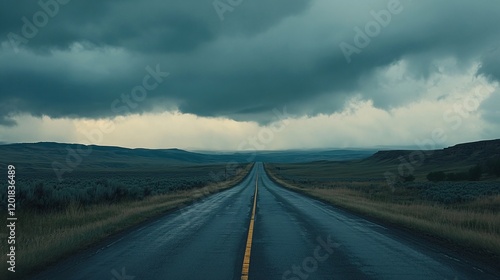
x=42 y=239
x=474 y=226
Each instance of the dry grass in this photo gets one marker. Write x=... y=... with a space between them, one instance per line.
x=475 y=225
x=42 y=239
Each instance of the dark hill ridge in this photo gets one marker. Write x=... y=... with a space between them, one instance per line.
x=469 y=153
x=39 y=157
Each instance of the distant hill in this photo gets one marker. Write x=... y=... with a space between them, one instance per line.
x=297 y=156
x=40 y=157
x=466 y=153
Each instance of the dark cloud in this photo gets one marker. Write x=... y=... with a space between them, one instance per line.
x=262 y=56
x=490 y=65
x=151 y=25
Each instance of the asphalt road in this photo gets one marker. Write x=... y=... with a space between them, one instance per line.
x=294 y=238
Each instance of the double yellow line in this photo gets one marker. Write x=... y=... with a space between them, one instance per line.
x=246 y=259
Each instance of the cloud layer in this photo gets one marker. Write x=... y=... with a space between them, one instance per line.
x=238 y=59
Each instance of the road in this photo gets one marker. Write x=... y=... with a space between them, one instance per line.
x=294 y=237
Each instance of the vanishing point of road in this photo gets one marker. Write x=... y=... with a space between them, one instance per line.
x=259 y=230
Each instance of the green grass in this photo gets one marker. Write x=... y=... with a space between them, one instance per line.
x=44 y=238
x=365 y=169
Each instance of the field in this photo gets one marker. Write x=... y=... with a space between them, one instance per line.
x=56 y=219
x=44 y=192
x=464 y=214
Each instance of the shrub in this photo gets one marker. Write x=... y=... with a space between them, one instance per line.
x=460 y=176
x=493 y=167
x=408 y=178
x=475 y=173
x=44 y=193
x=436 y=176
x=454 y=192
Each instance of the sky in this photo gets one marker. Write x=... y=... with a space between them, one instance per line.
x=244 y=75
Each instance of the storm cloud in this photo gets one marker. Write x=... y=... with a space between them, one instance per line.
x=260 y=55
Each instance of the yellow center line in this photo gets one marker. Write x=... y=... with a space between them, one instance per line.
x=246 y=259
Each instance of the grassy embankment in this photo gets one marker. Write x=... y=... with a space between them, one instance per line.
x=473 y=225
x=45 y=238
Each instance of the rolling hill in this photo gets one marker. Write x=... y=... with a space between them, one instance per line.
x=466 y=153
x=41 y=157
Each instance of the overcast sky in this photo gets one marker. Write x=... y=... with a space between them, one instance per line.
x=250 y=74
